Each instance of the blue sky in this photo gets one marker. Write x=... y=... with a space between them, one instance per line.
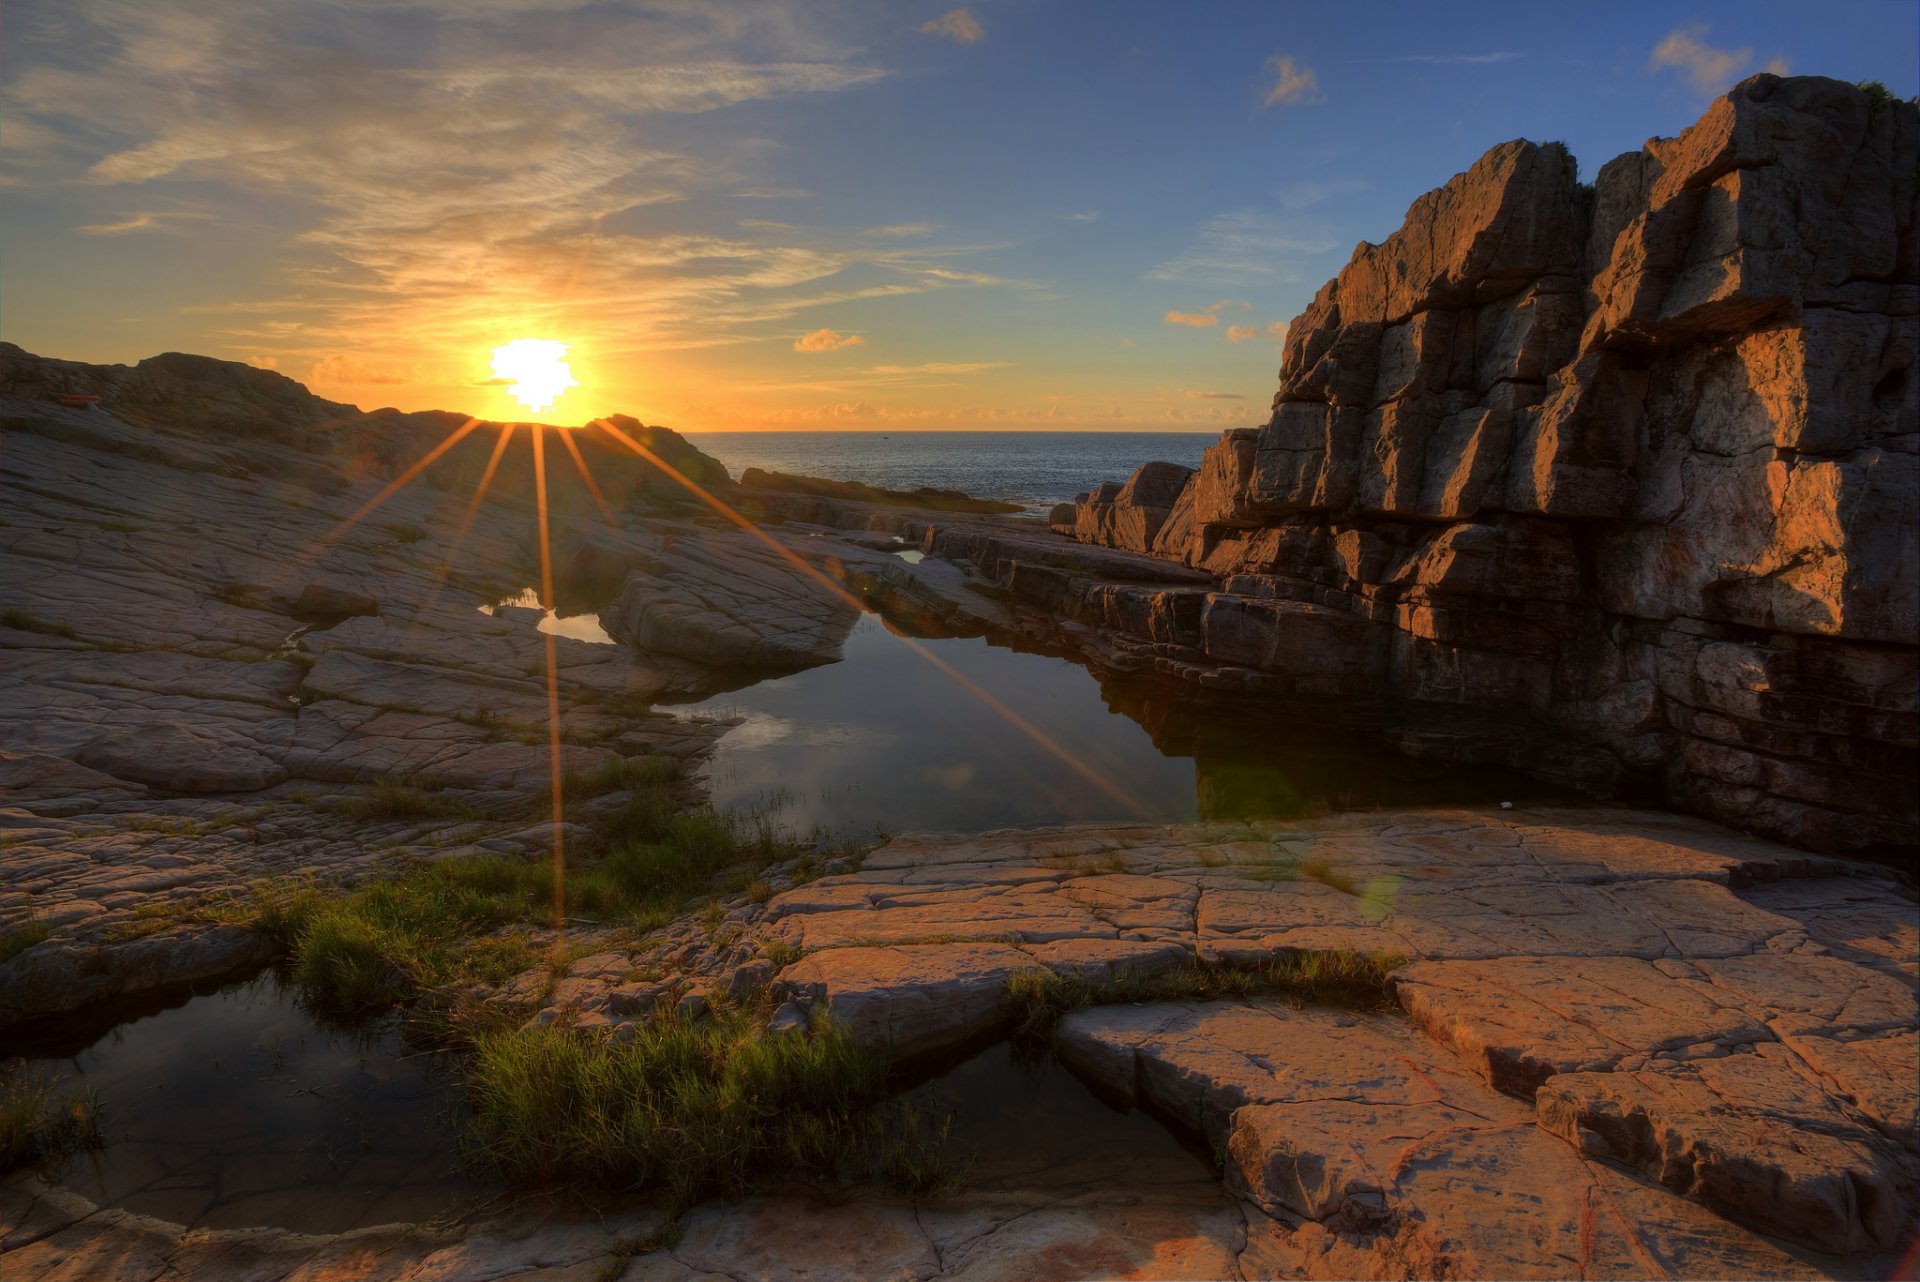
x=1017 y=213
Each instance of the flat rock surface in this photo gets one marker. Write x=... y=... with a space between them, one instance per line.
x=1553 y=964
x=211 y=649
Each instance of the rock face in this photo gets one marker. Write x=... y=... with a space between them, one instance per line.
x=1636 y=464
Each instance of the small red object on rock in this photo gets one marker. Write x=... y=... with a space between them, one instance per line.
x=82 y=399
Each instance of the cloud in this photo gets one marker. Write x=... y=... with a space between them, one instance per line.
x=1239 y=245
x=1292 y=82
x=1310 y=192
x=826 y=340
x=264 y=362
x=1446 y=59
x=942 y=367
x=1278 y=330
x=138 y=222
x=1214 y=396
x=956 y=24
x=1086 y=216
x=1241 y=333
x=1197 y=320
x=353 y=370
x=1708 y=69
x=428 y=190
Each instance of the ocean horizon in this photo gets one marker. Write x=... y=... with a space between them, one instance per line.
x=1034 y=469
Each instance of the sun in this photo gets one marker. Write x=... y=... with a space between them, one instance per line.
x=537 y=368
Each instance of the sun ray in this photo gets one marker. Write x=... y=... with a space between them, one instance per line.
x=393 y=487
x=554 y=776
x=586 y=474
x=466 y=519
x=1033 y=732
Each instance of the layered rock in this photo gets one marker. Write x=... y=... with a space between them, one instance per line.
x=1621 y=1043
x=1637 y=464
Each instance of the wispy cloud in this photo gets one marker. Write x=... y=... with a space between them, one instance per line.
x=826 y=340
x=1292 y=81
x=1208 y=316
x=137 y=222
x=1707 y=68
x=1241 y=333
x=956 y=24
x=1309 y=192
x=446 y=188
x=1238 y=245
x=352 y=370
x=1215 y=396
x=1085 y=216
x=1446 y=59
x=942 y=367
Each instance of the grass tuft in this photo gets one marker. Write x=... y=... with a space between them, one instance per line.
x=37 y=1121
x=1341 y=976
x=692 y=1109
x=18 y=939
x=392 y=800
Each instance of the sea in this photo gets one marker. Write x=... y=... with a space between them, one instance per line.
x=1034 y=469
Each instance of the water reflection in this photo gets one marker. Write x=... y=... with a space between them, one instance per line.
x=235 y=1109
x=581 y=627
x=883 y=741
x=1027 y=1123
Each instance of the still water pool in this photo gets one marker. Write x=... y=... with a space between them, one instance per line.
x=993 y=737
x=234 y=1107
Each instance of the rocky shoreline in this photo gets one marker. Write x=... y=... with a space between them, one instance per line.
x=1603 y=1040
x=1618 y=480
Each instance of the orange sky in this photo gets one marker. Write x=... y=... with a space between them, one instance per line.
x=780 y=214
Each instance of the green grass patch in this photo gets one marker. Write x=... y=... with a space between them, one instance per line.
x=17 y=939
x=465 y=919
x=692 y=1109
x=38 y=1120
x=390 y=800
x=385 y=942
x=27 y=621
x=1341 y=976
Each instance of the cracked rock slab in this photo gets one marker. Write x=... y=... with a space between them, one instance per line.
x=1370 y=1153
x=1749 y=1135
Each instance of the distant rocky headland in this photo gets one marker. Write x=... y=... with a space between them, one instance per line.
x=1613 y=485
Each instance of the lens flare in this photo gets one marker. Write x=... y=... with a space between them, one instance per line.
x=537 y=368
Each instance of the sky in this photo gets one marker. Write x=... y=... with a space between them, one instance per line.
x=874 y=214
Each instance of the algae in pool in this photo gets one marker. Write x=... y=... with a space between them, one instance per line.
x=235 y=1109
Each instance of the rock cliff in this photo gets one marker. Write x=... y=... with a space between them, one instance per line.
x=1632 y=463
